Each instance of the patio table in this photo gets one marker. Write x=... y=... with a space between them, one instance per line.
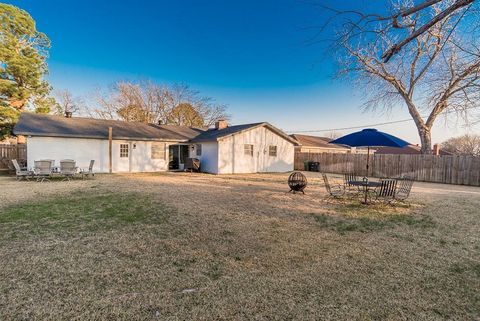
x=367 y=185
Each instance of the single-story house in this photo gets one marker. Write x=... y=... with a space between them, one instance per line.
x=316 y=144
x=118 y=146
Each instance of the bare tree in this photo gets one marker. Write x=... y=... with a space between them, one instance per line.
x=66 y=102
x=437 y=71
x=463 y=145
x=152 y=103
x=399 y=18
x=333 y=134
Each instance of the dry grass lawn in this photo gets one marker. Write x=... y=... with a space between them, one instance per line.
x=202 y=247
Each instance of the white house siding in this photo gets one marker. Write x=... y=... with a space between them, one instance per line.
x=232 y=159
x=139 y=158
x=209 y=157
x=83 y=150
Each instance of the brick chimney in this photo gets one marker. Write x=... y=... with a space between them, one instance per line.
x=221 y=124
x=436 y=150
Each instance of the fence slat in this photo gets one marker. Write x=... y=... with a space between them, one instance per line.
x=9 y=152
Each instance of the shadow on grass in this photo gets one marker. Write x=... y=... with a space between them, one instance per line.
x=356 y=217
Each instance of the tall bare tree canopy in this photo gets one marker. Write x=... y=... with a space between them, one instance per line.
x=424 y=56
x=463 y=145
x=152 y=103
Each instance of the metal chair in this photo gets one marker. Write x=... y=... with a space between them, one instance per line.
x=335 y=190
x=89 y=171
x=386 y=191
x=21 y=173
x=42 y=170
x=347 y=178
x=404 y=187
x=68 y=169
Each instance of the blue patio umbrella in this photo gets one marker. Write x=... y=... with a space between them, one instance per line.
x=370 y=137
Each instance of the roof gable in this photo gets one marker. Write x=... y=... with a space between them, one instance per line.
x=213 y=134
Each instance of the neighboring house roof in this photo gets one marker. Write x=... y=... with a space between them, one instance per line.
x=213 y=134
x=31 y=124
x=407 y=150
x=316 y=141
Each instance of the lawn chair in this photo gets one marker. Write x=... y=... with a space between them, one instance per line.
x=335 y=190
x=88 y=172
x=68 y=169
x=21 y=172
x=43 y=170
x=404 y=186
x=386 y=191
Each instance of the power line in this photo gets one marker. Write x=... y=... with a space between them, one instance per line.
x=347 y=128
x=369 y=125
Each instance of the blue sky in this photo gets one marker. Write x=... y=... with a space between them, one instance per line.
x=250 y=55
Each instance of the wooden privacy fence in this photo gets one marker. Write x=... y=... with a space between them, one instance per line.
x=462 y=170
x=9 y=152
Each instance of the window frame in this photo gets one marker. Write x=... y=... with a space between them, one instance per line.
x=198 y=149
x=157 y=145
x=248 y=149
x=124 y=150
x=275 y=149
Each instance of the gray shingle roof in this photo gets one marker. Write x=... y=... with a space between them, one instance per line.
x=31 y=124
x=59 y=126
x=315 y=141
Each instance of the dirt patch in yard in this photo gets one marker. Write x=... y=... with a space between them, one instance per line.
x=237 y=247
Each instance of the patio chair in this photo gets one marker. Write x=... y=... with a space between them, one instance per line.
x=68 y=169
x=21 y=172
x=42 y=170
x=349 y=177
x=88 y=172
x=386 y=191
x=335 y=190
x=404 y=186
x=192 y=165
x=353 y=190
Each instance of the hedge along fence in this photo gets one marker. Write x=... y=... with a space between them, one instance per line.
x=462 y=170
x=9 y=152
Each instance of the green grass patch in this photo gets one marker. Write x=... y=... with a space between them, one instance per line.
x=84 y=212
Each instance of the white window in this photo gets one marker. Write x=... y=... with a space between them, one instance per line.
x=272 y=151
x=248 y=149
x=158 y=151
x=123 y=150
x=198 y=149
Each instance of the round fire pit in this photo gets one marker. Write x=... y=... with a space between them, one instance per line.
x=297 y=182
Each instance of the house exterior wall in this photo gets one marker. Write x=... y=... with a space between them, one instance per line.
x=232 y=158
x=208 y=158
x=83 y=150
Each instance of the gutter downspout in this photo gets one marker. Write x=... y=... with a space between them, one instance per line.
x=110 y=150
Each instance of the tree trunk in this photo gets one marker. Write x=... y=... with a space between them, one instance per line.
x=426 y=140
